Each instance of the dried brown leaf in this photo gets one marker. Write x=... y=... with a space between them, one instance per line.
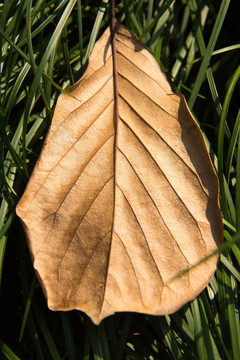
x=114 y=211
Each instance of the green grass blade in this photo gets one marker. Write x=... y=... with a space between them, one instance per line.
x=230 y=211
x=184 y=327
x=124 y=335
x=206 y=59
x=95 y=30
x=15 y=90
x=27 y=308
x=46 y=332
x=15 y=47
x=94 y=340
x=80 y=29
x=221 y=133
x=66 y=55
x=44 y=24
x=17 y=160
x=30 y=48
x=165 y=325
x=230 y=267
x=6 y=225
x=3 y=243
x=7 y=352
x=232 y=146
x=150 y=12
x=200 y=332
x=214 y=326
x=237 y=196
x=33 y=90
x=217 y=52
x=68 y=335
x=104 y=341
x=232 y=313
x=156 y=18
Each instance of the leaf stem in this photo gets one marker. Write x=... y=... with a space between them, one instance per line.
x=113 y=25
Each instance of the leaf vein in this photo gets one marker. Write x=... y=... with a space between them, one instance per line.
x=155 y=205
x=144 y=236
x=74 y=184
x=145 y=95
x=160 y=136
x=123 y=55
x=165 y=177
x=134 y=271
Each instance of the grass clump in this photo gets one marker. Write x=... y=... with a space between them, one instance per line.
x=44 y=48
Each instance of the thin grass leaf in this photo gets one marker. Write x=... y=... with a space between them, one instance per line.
x=8 y=164
x=236 y=252
x=80 y=29
x=216 y=52
x=132 y=354
x=29 y=36
x=221 y=133
x=156 y=18
x=68 y=335
x=232 y=146
x=30 y=48
x=27 y=59
x=104 y=341
x=3 y=243
x=210 y=345
x=214 y=326
x=25 y=292
x=95 y=30
x=230 y=226
x=4 y=12
x=182 y=55
x=12 y=28
x=66 y=55
x=172 y=344
x=230 y=267
x=94 y=340
x=206 y=59
x=126 y=15
x=230 y=211
x=33 y=90
x=15 y=90
x=184 y=327
x=19 y=51
x=150 y=12
x=44 y=24
x=46 y=332
x=17 y=160
x=139 y=9
x=27 y=308
x=113 y=341
x=237 y=196
x=48 y=88
x=3 y=213
x=6 y=226
x=5 y=182
x=199 y=331
x=7 y=352
x=124 y=334
x=232 y=317
x=136 y=23
x=201 y=43
x=86 y=348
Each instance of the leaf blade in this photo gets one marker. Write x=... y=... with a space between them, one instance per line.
x=133 y=179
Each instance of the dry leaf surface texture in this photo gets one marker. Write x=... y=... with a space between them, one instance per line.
x=123 y=198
